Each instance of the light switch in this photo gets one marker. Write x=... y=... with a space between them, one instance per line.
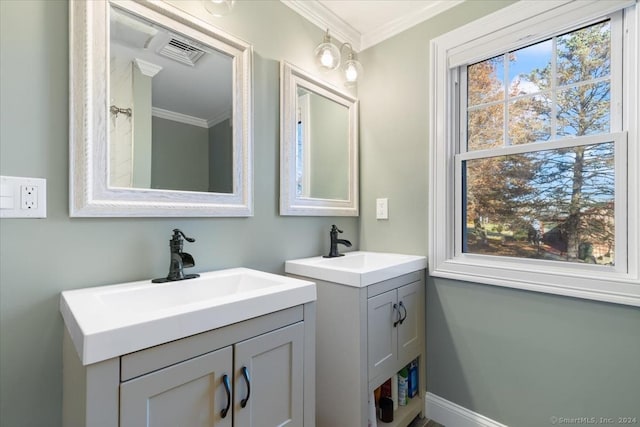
x=6 y=196
x=382 y=208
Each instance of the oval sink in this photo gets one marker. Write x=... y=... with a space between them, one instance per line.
x=357 y=268
x=109 y=321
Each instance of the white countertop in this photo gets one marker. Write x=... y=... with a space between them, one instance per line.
x=358 y=268
x=109 y=321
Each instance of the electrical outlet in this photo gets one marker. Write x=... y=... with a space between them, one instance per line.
x=29 y=199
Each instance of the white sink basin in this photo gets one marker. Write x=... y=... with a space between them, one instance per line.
x=357 y=268
x=110 y=321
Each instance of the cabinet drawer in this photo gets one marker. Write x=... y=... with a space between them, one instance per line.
x=145 y=361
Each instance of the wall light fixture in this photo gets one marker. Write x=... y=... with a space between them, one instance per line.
x=328 y=57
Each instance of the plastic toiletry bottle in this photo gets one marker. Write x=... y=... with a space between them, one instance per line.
x=403 y=386
x=413 y=379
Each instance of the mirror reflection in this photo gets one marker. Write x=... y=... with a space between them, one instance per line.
x=170 y=109
x=322 y=147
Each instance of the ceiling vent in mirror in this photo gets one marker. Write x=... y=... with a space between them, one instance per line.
x=182 y=50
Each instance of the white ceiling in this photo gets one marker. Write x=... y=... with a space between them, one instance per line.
x=177 y=88
x=364 y=23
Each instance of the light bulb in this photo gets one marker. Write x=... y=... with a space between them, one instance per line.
x=351 y=73
x=327 y=54
x=326 y=59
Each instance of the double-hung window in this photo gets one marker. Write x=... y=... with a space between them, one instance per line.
x=534 y=150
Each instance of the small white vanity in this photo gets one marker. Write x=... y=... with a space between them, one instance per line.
x=370 y=324
x=231 y=348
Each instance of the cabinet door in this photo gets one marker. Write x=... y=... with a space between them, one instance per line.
x=269 y=379
x=190 y=393
x=381 y=333
x=411 y=306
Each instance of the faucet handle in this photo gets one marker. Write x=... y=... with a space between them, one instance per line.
x=335 y=229
x=176 y=235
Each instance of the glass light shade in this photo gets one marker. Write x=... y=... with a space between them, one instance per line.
x=352 y=71
x=219 y=7
x=327 y=55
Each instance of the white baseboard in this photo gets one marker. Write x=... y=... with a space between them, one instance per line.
x=450 y=414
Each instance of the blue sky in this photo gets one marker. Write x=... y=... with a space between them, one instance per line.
x=528 y=59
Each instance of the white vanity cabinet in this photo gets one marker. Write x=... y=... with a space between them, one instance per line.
x=361 y=343
x=266 y=364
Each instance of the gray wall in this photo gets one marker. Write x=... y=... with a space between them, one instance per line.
x=517 y=357
x=329 y=124
x=221 y=157
x=40 y=258
x=180 y=156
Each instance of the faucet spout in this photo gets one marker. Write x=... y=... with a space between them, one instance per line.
x=187 y=260
x=344 y=242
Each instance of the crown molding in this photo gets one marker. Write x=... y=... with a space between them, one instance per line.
x=147 y=68
x=219 y=118
x=399 y=25
x=322 y=17
x=190 y=120
x=178 y=117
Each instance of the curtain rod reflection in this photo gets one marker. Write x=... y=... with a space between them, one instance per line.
x=117 y=110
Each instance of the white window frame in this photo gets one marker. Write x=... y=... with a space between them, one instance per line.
x=513 y=27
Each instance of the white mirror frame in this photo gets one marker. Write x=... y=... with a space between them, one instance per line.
x=89 y=191
x=291 y=78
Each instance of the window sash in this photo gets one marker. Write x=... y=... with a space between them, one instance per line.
x=620 y=169
x=614 y=77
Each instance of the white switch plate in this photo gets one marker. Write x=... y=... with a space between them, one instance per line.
x=382 y=208
x=23 y=197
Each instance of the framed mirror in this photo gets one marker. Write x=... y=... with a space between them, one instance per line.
x=160 y=113
x=318 y=147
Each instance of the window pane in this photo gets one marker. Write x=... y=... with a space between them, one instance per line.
x=530 y=119
x=584 y=110
x=530 y=69
x=551 y=204
x=485 y=81
x=485 y=127
x=584 y=54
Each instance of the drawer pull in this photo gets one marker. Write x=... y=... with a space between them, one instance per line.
x=245 y=374
x=227 y=388
x=402 y=318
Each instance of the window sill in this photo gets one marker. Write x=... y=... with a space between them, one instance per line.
x=543 y=276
